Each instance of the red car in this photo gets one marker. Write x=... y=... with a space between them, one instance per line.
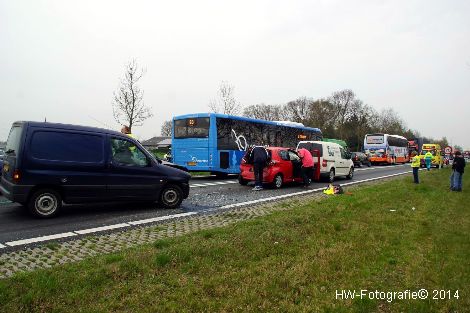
x=284 y=167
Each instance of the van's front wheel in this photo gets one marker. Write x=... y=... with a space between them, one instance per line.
x=45 y=203
x=171 y=196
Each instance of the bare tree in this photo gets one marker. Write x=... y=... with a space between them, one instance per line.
x=128 y=104
x=299 y=110
x=342 y=100
x=166 y=128
x=265 y=112
x=225 y=102
x=322 y=114
x=390 y=122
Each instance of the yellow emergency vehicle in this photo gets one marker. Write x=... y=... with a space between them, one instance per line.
x=435 y=150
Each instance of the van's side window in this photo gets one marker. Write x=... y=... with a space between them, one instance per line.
x=124 y=152
x=67 y=146
x=343 y=153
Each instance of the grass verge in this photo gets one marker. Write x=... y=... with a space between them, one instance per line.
x=295 y=260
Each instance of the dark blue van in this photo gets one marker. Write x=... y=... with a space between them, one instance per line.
x=46 y=164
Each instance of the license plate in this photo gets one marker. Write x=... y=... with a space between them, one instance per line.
x=192 y=163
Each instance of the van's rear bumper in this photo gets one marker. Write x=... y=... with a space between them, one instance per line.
x=13 y=192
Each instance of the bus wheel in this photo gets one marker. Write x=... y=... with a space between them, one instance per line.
x=242 y=181
x=277 y=181
x=171 y=196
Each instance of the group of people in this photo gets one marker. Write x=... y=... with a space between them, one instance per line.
x=458 y=167
x=260 y=157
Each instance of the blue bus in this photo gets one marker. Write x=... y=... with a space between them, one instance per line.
x=216 y=143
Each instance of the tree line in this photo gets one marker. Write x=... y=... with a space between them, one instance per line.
x=341 y=116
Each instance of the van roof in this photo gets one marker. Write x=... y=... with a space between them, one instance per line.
x=320 y=142
x=68 y=127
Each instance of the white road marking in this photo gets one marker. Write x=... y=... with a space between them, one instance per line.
x=169 y=217
x=235 y=182
x=214 y=183
x=161 y=218
x=379 y=167
x=375 y=178
x=289 y=195
x=39 y=239
x=98 y=229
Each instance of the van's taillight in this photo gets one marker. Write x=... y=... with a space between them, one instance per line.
x=324 y=163
x=16 y=176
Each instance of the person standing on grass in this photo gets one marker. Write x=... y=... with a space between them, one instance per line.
x=307 y=166
x=415 y=164
x=457 y=171
x=260 y=157
x=428 y=159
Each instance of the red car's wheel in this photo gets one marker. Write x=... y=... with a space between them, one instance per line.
x=277 y=181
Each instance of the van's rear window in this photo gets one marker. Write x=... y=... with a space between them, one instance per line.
x=311 y=146
x=13 y=142
x=65 y=146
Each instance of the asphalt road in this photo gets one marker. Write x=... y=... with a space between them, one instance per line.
x=206 y=193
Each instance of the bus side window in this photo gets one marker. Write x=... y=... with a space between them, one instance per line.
x=278 y=138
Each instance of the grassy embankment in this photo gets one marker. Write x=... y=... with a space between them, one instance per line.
x=293 y=260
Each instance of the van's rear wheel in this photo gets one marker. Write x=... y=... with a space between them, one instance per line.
x=45 y=203
x=171 y=196
x=331 y=176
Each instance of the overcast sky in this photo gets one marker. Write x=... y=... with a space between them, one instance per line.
x=62 y=60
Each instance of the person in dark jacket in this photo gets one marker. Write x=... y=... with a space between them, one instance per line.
x=259 y=155
x=458 y=167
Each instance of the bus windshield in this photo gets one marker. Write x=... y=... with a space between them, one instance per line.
x=192 y=128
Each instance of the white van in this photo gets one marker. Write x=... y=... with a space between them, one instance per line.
x=334 y=159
